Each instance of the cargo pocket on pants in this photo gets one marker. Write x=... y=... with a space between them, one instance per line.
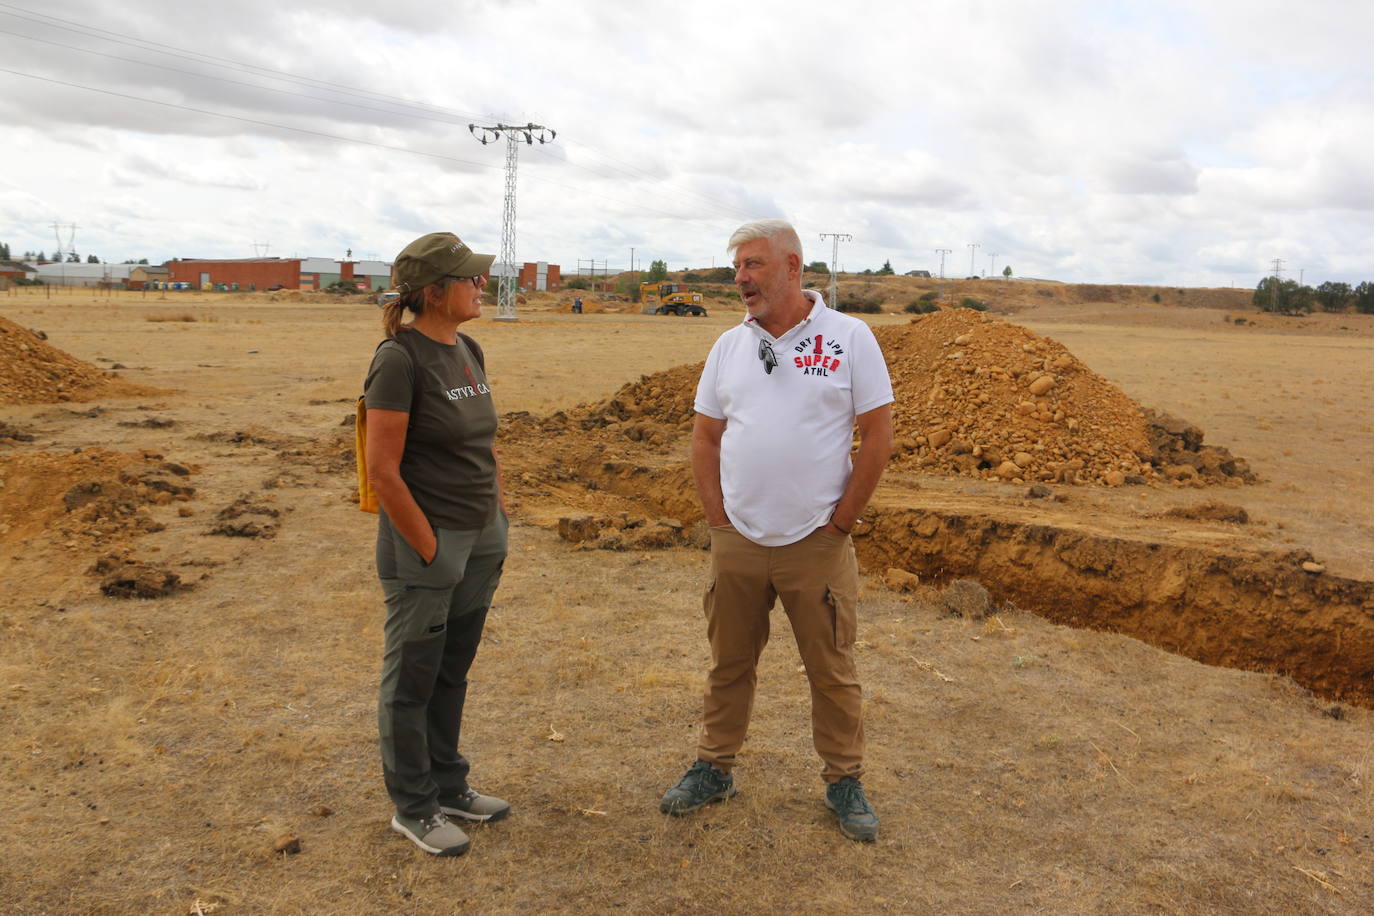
x=708 y=599
x=844 y=613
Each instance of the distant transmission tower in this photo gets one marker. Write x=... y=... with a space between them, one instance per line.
x=972 y=250
x=942 y=252
x=71 y=240
x=836 y=238
x=1274 y=287
x=505 y=296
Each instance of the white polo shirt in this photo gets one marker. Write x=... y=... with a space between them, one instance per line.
x=784 y=456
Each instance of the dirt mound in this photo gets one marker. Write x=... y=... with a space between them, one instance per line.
x=979 y=397
x=94 y=496
x=657 y=407
x=35 y=372
x=975 y=397
x=125 y=577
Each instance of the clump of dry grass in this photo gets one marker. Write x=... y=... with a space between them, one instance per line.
x=185 y=317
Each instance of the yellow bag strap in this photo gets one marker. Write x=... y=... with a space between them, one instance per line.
x=367 y=497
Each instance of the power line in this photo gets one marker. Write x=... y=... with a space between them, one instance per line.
x=221 y=79
x=219 y=114
x=633 y=172
x=448 y=116
x=639 y=207
x=972 y=250
x=223 y=62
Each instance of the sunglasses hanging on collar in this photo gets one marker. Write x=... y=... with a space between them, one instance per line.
x=769 y=358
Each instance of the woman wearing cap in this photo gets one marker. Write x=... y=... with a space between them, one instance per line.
x=441 y=533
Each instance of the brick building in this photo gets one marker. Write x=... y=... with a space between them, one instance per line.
x=540 y=275
x=257 y=273
x=285 y=273
x=17 y=270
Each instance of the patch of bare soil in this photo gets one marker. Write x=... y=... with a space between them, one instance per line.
x=33 y=371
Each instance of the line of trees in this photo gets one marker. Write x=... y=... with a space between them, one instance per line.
x=72 y=258
x=1288 y=297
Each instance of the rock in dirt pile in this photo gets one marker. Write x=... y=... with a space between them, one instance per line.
x=975 y=397
x=33 y=371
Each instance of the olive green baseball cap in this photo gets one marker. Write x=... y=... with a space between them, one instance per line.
x=432 y=257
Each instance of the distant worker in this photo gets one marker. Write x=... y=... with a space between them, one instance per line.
x=577 y=305
x=775 y=413
x=441 y=533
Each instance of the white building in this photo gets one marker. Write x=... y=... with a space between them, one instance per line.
x=74 y=274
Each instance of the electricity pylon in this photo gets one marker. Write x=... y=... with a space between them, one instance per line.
x=835 y=263
x=531 y=133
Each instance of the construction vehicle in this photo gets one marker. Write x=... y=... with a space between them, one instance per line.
x=667 y=298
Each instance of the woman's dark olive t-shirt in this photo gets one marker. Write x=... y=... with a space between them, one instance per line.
x=448 y=462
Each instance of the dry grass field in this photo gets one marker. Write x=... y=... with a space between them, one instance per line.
x=155 y=750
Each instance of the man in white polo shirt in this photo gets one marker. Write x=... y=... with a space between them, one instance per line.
x=776 y=409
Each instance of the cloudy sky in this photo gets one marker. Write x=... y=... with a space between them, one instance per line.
x=1177 y=143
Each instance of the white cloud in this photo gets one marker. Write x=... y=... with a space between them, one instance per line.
x=1108 y=142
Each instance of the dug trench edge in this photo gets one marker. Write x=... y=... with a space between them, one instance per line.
x=1224 y=603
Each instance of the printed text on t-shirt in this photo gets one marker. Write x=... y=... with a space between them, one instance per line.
x=814 y=360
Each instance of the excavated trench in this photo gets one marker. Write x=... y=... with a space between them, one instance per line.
x=1222 y=604
x=1259 y=611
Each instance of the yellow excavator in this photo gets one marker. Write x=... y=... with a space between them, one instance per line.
x=668 y=298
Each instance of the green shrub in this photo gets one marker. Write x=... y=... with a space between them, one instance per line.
x=921 y=306
x=1155 y=297
x=971 y=303
x=577 y=283
x=930 y=296
x=850 y=302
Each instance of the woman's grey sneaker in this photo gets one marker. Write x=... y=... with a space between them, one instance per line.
x=702 y=785
x=474 y=806
x=436 y=835
x=852 y=810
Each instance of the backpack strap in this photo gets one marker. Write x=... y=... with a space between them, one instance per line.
x=367 y=497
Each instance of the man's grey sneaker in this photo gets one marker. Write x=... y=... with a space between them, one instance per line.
x=703 y=784
x=436 y=835
x=473 y=806
x=852 y=810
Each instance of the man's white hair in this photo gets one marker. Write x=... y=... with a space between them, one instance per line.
x=779 y=230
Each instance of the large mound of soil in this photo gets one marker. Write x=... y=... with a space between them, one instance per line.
x=33 y=371
x=981 y=397
x=975 y=397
